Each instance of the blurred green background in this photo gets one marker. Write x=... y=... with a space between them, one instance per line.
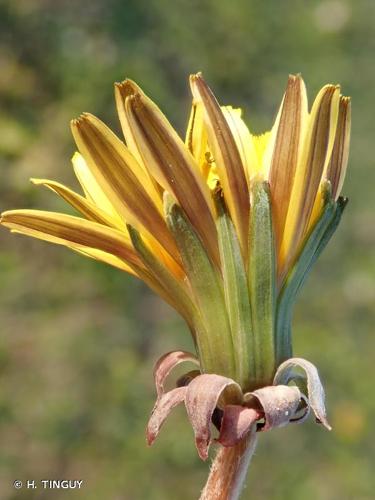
x=78 y=339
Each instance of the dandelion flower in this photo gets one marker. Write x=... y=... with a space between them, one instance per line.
x=225 y=226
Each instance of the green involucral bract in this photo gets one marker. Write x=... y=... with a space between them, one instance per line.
x=262 y=283
x=215 y=345
x=241 y=324
x=236 y=294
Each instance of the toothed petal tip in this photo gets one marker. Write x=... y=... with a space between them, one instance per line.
x=82 y=118
x=196 y=76
x=127 y=88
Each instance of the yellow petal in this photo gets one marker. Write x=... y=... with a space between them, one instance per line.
x=262 y=147
x=171 y=163
x=197 y=142
x=122 y=91
x=285 y=142
x=244 y=141
x=101 y=256
x=83 y=205
x=92 y=189
x=120 y=177
x=65 y=230
x=227 y=158
x=312 y=163
x=196 y=135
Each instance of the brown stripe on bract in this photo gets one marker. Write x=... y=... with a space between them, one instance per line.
x=340 y=154
x=285 y=153
x=227 y=158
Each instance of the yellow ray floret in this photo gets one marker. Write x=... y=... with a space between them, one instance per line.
x=72 y=231
x=313 y=159
x=92 y=189
x=226 y=155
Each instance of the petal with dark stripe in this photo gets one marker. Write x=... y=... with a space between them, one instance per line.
x=83 y=205
x=339 y=159
x=121 y=178
x=312 y=162
x=227 y=157
x=286 y=141
x=170 y=162
x=65 y=230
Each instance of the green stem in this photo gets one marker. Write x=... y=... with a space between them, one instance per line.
x=228 y=471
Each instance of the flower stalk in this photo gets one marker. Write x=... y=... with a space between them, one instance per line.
x=229 y=469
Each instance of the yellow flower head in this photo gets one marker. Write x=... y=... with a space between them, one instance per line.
x=215 y=224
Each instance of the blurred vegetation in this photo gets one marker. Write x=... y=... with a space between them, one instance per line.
x=79 y=339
